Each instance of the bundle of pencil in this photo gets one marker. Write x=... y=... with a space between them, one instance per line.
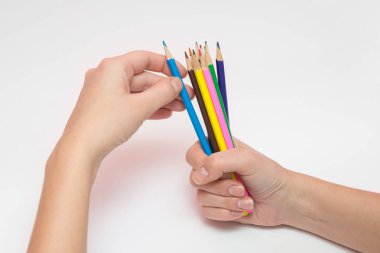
x=210 y=92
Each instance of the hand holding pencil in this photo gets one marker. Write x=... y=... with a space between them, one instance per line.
x=202 y=75
x=223 y=199
x=131 y=84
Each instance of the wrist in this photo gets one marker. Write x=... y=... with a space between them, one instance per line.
x=301 y=206
x=73 y=156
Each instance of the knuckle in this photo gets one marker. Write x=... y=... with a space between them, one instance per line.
x=168 y=87
x=138 y=52
x=89 y=73
x=129 y=71
x=105 y=63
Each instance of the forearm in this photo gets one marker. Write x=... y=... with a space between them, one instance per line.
x=344 y=215
x=61 y=223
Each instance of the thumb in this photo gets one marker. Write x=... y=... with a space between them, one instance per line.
x=216 y=165
x=160 y=94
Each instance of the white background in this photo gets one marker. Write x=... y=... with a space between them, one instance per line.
x=303 y=82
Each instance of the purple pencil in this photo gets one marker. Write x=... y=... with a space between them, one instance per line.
x=221 y=76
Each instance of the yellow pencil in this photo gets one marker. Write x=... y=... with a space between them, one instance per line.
x=208 y=103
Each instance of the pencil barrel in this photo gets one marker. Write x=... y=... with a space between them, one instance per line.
x=190 y=109
x=222 y=83
x=202 y=107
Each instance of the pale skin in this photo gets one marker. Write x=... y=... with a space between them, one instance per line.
x=117 y=97
x=343 y=215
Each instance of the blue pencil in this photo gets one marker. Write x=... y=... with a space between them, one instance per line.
x=186 y=100
x=221 y=77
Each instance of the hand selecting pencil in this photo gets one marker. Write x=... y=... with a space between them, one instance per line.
x=131 y=85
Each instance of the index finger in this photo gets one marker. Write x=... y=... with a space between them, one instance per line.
x=136 y=62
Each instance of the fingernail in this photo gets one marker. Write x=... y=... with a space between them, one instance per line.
x=200 y=175
x=237 y=213
x=245 y=204
x=176 y=84
x=236 y=191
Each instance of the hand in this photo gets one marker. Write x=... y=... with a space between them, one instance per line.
x=118 y=96
x=223 y=199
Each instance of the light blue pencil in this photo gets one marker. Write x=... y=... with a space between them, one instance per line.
x=186 y=100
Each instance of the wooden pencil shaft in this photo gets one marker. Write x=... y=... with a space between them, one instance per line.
x=219 y=56
x=217 y=108
x=202 y=107
x=188 y=62
x=210 y=110
x=202 y=61
x=195 y=62
x=222 y=83
x=221 y=101
x=187 y=102
x=216 y=83
x=196 y=49
x=208 y=56
x=199 y=68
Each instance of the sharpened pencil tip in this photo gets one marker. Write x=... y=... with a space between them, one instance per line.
x=217 y=44
x=187 y=57
x=190 y=53
x=163 y=42
x=193 y=52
